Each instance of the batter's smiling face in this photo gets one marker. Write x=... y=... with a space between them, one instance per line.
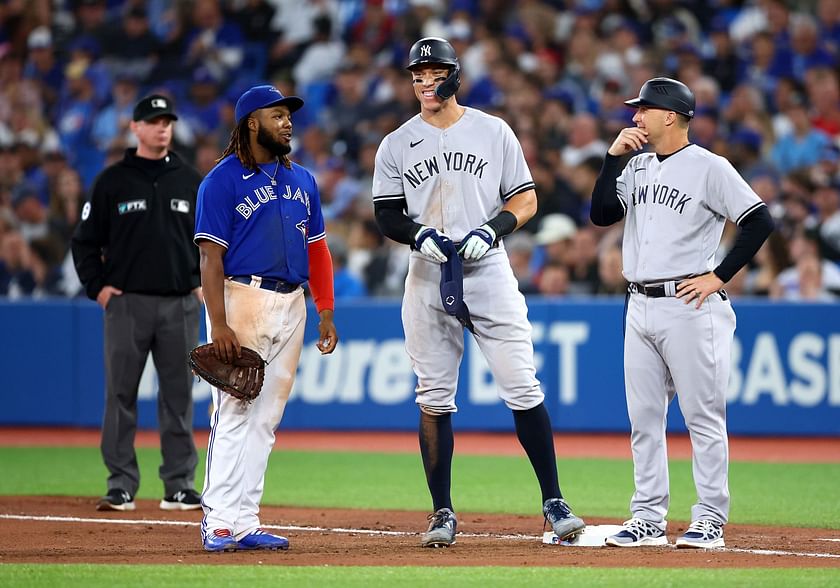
x=426 y=78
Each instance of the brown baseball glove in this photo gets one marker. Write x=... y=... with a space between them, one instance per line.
x=242 y=379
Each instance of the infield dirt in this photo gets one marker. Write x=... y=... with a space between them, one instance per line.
x=77 y=533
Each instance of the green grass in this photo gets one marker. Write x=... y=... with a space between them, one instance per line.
x=801 y=495
x=105 y=576
x=787 y=494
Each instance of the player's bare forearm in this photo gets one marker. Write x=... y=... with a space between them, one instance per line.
x=327 y=333
x=213 y=287
x=523 y=206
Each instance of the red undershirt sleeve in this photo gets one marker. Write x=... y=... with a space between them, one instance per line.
x=321 y=275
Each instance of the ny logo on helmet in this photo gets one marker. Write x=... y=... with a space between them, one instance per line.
x=426 y=51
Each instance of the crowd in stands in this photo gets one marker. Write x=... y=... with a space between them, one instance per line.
x=766 y=74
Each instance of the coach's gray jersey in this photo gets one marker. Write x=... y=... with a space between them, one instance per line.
x=452 y=179
x=676 y=210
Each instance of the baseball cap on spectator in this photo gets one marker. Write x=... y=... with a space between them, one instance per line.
x=24 y=191
x=672 y=27
x=747 y=137
x=460 y=30
x=86 y=44
x=136 y=12
x=39 y=38
x=719 y=25
x=831 y=152
x=28 y=138
x=152 y=107
x=202 y=75
x=127 y=77
x=555 y=227
x=615 y=22
x=709 y=111
x=260 y=97
x=562 y=95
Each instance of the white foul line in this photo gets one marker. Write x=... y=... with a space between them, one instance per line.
x=50 y=518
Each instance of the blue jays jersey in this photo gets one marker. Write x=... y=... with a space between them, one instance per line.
x=265 y=228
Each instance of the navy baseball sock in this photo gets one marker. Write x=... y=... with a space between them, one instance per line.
x=533 y=427
x=436 y=445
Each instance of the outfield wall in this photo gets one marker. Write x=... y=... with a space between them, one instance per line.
x=785 y=381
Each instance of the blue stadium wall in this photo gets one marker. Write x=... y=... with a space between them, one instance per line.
x=785 y=381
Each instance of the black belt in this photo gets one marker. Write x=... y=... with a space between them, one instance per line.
x=652 y=291
x=268 y=284
x=659 y=291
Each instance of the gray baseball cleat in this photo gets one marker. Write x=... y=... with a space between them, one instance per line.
x=563 y=521
x=442 y=529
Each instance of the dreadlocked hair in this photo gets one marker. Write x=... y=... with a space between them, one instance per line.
x=240 y=145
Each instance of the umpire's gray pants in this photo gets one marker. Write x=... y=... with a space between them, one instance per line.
x=136 y=324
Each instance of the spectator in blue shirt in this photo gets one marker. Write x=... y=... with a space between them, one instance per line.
x=802 y=147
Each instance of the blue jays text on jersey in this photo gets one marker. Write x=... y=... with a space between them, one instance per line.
x=266 y=229
x=264 y=194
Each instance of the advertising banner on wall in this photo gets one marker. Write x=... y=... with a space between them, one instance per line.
x=785 y=372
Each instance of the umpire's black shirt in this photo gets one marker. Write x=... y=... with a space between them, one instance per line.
x=136 y=231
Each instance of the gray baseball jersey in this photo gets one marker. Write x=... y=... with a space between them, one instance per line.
x=675 y=212
x=454 y=180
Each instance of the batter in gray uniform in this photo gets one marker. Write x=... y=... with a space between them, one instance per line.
x=456 y=176
x=679 y=321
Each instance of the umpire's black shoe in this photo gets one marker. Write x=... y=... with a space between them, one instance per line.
x=563 y=521
x=187 y=499
x=116 y=499
x=442 y=528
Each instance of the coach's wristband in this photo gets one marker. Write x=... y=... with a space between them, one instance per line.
x=503 y=224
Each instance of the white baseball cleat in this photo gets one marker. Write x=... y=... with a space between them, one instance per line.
x=638 y=533
x=702 y=534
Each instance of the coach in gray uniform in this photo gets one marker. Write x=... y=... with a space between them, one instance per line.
x=452 y=181
x=679 y=321
x=134 y=253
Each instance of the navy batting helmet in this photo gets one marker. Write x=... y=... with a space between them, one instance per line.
x=665 y=93
x=437 y=50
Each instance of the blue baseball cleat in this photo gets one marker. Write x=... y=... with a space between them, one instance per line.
x=220 y=540
x=259 y=539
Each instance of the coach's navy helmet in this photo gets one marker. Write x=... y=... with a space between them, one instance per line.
x=665 y=93
x=260 y=97
x=436 y=50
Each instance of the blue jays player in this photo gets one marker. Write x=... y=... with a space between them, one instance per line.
x=679 y=323
x=261 y=234
x=457 y=173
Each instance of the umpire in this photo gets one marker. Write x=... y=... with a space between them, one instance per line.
x=134 y=253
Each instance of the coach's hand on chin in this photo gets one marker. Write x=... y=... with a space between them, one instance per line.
x=629 y=139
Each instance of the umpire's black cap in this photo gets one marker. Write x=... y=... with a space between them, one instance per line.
x=665 y=93
x=152 y=107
